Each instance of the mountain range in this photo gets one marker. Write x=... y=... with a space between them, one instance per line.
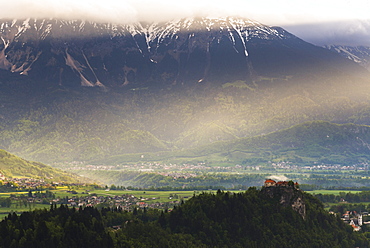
x=182 y=51
x=358 y=54
x=308 y=143
x=156 y=87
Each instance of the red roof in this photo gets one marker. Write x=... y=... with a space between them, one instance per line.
x=270 y=181
x=281 y=182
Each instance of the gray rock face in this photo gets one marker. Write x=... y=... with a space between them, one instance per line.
x=288 y=197
x=299 y=206
x=358 y=54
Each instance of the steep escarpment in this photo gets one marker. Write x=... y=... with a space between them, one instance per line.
x=288 y=195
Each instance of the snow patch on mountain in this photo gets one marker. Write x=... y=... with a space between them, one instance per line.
x=4 y=63
x=175 y=44
x=358 y=54
x=75 y=65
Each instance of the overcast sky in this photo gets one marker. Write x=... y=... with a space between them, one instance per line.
x=319 y=21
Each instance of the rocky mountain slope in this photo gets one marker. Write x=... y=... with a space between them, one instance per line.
x=358 y=54
x=182 y=51
x=166 y=86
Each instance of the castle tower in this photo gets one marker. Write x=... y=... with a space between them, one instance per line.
x=360 y=219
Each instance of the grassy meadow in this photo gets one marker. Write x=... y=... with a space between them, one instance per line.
x=332 y=192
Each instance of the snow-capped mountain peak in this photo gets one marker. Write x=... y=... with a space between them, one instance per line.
x=70 y=52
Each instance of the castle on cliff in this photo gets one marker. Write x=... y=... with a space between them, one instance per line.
x=272 y=183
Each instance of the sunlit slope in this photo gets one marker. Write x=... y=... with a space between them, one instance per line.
x=58 y=125
x=307 y=143
x=13 y=166
x=316 y=141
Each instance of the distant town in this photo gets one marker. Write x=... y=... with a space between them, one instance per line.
x=207 y=167
x=27 y=193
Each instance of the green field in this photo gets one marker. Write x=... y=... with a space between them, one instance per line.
x=154 y=196
x=16 y=209
x=332 y=192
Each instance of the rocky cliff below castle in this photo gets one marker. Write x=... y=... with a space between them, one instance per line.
x=287 y=194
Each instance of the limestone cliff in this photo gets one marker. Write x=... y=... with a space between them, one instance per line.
x=287 y=196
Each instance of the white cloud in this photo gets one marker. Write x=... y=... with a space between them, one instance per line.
x=310 y=14
x=349 y=32
x=278 y=177
x=267 y=11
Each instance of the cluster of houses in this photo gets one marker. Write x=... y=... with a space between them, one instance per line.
x=125 y=202
x=317 y=166
x=354 y=219
x=159 y=167
x=25 y=183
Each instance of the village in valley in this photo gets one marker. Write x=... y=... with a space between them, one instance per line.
x=33 y=193
x=27 y=193
x=115 y=200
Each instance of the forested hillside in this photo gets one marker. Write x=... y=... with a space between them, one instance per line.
x=251 y=219
x=303 y=144
x=307 y=143
x=69 y=124
x=13 y=166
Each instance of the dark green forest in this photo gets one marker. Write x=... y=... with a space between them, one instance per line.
x=255 y=218
x=363 y=196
